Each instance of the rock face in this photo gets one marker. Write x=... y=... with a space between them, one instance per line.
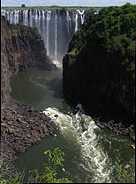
x=5 y=71
x=99 y=68
x=22 y=47
x=21 y=126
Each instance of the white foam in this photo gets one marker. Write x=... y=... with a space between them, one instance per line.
x=57 y=63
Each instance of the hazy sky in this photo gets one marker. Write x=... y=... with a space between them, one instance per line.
x=65 y=2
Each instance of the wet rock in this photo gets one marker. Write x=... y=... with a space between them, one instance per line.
x=23 y=129
x=55 y=115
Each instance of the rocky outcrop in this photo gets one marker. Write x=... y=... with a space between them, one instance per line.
x=21 y=127
x=99 y=68
x=28 y=48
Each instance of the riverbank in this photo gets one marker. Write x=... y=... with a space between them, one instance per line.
x=21 y=127
x=118 y=129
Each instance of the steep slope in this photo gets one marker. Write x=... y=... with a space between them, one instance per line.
x=99 y=68
x=22 y=47
x=21 y=126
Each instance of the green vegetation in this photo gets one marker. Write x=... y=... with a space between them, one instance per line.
x=105 y=50
x=124 y=174
x=14 y=180
x=49 y=174
x=55 y=163
x=23 y=6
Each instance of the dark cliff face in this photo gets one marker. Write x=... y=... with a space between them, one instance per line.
x=28 y=48
x=5 y=71
x=22 y=47
x=99 y=69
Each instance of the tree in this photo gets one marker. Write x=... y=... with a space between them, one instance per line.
x=23 y=5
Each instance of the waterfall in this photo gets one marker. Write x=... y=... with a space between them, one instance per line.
x=76 y=22
x=25 y=14
x=81 y=15
x=36 y=14
x=11 y=15
x=83 y=129
x=16 y=17
x=68 y=21
x=47 y=31
x=56 y=37
x=31 y=19
x=56 y=27
x=43 y=32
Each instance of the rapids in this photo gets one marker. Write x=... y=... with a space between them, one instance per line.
x=91 y=153
x=83 y=128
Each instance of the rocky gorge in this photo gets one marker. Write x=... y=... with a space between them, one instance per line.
x=21 y=126
x=89 y=115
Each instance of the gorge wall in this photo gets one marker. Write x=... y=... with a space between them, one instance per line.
x=99 y=68
x=55 y=25
x=21 y=126
x=22 y=47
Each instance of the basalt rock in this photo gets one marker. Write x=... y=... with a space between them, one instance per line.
x=22 y=129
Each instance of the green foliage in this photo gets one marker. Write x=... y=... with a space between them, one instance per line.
x=107 y=41
x=15 y=180
x=124 y=174
x=50 y=174
x=56 y=162
x=56 y=157
x=23 y=6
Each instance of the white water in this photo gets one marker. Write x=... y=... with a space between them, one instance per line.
x=68 y=21
x=56 y=37
x=16 y=16
x=56 y=31
x=25 y=14
x=47 y=31
x=83 y=128
x=57 y=63
x=31 y=18
x=76 y=22
x=81 y=15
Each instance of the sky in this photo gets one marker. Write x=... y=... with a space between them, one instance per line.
x=65 y=2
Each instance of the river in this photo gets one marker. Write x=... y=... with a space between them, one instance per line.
x=91 y=153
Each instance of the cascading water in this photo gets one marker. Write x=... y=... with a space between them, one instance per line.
x=25 y=17
x=76 y=22
x=55 y=26
x=95 y=161
x=81 y=15
x=56 y=37
x=68 y=20
x=48 y=18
